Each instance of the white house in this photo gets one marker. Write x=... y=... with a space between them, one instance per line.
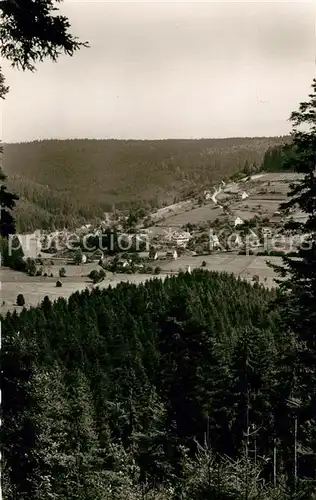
x=236 y=241
x=183 y=238
x=244 y=195
x=214 y=241
x=238 y=221
x=30 y=244
x=158 y=254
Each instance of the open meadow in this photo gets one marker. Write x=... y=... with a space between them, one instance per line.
x=34 y=289
x=264 y=194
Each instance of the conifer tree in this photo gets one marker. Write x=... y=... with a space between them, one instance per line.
x=298 y=301
x=32 y=30
x=86 y=478
x=7 y=204
x=50 y=415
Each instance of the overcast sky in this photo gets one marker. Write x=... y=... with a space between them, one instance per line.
x=169 y=70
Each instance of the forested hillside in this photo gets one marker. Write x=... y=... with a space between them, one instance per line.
x=67 y=182
x=145 y=391
x=276 y=159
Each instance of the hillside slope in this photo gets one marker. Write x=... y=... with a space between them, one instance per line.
x=65 y=182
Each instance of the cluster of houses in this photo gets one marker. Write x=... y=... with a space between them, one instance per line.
x=231 y=189
x=154 y=254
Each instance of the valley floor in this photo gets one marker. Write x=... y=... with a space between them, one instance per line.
x=34 y=289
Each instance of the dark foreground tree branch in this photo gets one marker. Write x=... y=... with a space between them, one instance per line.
x=30 y=31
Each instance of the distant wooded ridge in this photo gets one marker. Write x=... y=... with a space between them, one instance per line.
x=69 y=182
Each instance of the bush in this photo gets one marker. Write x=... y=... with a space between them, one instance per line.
x=277 y=253
x=20 y=301
x=135 y=258
x=94 y=276
x=62 y=272
x=46 y=304
x=12 y=258
x=31 y=267
x=16 y=263
x=203 y=263
x=292 y=254
x=157 y=270
x=78 y=257
x=244 y=252
x=39 y=272
x=102 y=274
x=97 y=276
x=101 y=263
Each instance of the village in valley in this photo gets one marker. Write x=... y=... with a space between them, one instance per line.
x=234 y=227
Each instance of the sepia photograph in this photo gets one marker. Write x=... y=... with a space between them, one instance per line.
x=158 y=250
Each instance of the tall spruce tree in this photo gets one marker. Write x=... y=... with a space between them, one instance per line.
x=7 y=200
x=297 y=384
x=7 y=204
x=32 y=30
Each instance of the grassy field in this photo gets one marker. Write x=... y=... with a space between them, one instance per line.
x=34 y=289
x=240 y=265
x=265 y=194
x=69 y=182
x=207 y=212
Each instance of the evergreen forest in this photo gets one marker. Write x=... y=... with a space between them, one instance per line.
x=164 y=390
x=66 y=183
